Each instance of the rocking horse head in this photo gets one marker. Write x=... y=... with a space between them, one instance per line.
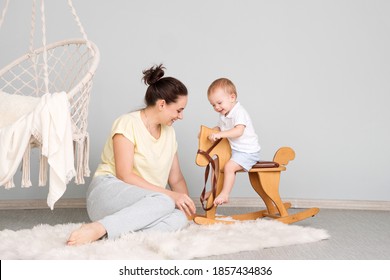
x=214 y=155
x=208 y=149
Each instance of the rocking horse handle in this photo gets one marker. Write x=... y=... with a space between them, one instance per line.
x=284 y=155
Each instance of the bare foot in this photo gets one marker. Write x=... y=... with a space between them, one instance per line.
x=86 y=233
x=221 y=199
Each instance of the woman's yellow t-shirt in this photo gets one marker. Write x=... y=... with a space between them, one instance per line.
x=152 y=157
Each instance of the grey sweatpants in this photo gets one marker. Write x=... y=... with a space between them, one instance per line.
x=123 y=208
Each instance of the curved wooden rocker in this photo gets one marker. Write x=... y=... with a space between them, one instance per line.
x=264 y=178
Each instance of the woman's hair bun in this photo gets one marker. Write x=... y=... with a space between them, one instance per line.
x=153 y=74
x=159 y=87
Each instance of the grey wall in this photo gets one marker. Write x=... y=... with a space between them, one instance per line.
x=314 y=75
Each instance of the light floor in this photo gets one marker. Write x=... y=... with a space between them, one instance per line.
x=355 y=234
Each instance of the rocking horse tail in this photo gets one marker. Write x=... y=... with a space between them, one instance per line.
x=284 y=155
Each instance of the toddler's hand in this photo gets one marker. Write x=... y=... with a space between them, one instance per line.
x=214 y=137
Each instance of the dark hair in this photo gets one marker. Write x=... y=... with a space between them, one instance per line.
x=167 y=88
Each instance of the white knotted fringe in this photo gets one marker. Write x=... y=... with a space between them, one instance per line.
x=10 y=184
x=82 y=159
x=43 y=169
x=26 y=180
x=82 y=166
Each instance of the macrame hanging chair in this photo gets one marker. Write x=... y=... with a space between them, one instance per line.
x=65 y=66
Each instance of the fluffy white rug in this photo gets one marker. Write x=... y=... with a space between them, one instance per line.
x=48 y=242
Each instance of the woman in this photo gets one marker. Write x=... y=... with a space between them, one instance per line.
x=128 y=192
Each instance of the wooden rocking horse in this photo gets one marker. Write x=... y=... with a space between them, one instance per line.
x=264 y=177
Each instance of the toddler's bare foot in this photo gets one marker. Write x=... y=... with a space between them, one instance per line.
x=87 y=233
x=221 y=199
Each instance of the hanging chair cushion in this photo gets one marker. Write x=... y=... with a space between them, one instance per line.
x=14 y=106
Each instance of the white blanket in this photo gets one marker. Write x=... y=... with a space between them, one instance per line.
x=50 y=123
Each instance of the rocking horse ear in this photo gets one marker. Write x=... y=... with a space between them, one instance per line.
x=284 y=155
x=204 y=130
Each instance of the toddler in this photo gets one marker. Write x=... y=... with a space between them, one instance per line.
x=235 y=125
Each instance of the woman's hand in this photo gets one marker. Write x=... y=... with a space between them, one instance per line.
x=184 y=203
x=179 y=191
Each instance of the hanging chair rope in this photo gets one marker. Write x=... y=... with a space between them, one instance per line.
x=33 y=57
x=82 y=31
x=44 y=42
x=33 y=19
x=4 y=12
x=44 y=54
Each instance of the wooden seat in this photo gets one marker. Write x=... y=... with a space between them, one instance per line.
x=264 y=178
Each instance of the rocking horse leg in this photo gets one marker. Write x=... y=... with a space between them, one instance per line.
x=269 y=202
x=212 y=209
x=209 y=217
x=218 y=188
x=210 y=203
x=269 y=182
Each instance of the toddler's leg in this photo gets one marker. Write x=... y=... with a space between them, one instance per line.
x=229 y=177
